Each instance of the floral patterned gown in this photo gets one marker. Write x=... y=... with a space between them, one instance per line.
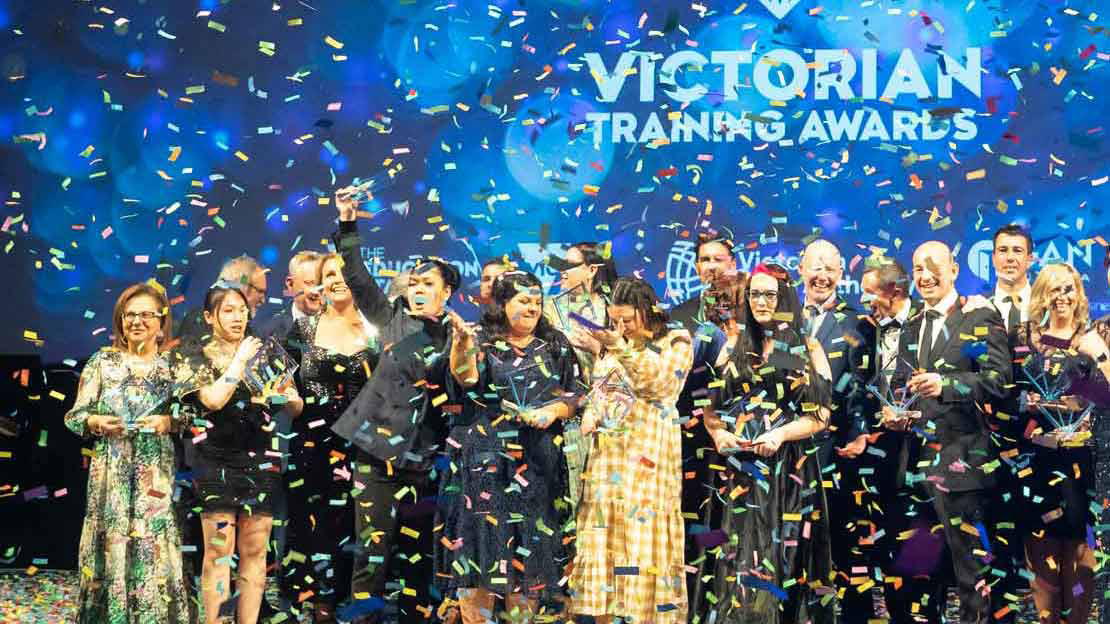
x=130 y=556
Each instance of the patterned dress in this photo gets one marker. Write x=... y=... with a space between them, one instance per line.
x=503 y=499
x=576 y=448
x=130 y=556
x=630 y=534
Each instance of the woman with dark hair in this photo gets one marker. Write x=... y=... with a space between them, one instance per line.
x=234 y=473
x=629 y=560
x=339 y=349
x=586 y=280
x=130 y=554
x=775 y=564
x=503 y=501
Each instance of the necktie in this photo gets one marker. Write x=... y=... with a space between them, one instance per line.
x=1013 y=319
x=925 y=349
x=811 y=317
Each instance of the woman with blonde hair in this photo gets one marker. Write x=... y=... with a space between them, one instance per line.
x=130 y=555
x=1056 y=353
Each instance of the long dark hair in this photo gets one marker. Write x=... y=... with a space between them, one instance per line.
x=606 y=274
x=786 y=328
x=495 y=321
x=635 y=292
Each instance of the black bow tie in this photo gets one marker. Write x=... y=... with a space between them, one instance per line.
x=892 y=324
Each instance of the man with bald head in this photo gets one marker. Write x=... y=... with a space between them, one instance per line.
x=958 y=362
x=835 y=324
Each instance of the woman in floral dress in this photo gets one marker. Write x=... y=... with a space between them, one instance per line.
x=629 y=560
x=130 y=557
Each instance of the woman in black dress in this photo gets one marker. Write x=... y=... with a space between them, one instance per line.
x=1054 y=351
x=339 y=349
x=236 y=469
x=775 y=564
x=503 y=498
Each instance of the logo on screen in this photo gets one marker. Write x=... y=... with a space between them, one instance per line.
x=979 y=259
x=779 y=8
x=682 y=273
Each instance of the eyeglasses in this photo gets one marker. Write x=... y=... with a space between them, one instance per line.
x=770 y=296
x=131 y=317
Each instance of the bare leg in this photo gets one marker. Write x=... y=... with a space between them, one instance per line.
x=215 y=575
x=1077 y=568
x=254 y=534
x=1047 y=578
x=476 y=606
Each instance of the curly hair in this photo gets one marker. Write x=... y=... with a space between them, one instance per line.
x=495 y=321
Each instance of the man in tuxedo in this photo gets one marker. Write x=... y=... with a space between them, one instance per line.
x=959 y=363
x=714 y=259
x=911 y=566
x=1012 y=257
x=300 y=284
x=833 y=323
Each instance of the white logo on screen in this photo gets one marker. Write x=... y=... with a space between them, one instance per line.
x=779 y=8
x=979 y=259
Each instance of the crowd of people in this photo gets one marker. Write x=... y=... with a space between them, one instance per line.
x=765 y=452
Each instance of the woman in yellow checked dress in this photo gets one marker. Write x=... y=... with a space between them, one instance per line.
x=629 y=560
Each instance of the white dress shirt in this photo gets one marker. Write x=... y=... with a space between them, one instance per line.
x=888 y=340
x=1024 y=295
x=942 y=306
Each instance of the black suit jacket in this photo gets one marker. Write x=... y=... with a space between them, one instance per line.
x=845 y=347
x=689 y=313
x=972 y=354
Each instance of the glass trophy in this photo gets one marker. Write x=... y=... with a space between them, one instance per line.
x=611 y=397
x=570 y=304
x=1067 y=417
x=899 y=401
x=270 y=371
x=139 y=397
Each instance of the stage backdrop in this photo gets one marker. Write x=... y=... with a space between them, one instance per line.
x=170 y=135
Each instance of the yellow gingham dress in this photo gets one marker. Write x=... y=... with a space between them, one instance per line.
x=629 y=559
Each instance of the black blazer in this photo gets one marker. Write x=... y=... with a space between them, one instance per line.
x=846 y=349
x=972 y=354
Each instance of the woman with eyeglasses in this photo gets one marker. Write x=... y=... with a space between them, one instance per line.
x=775 y=564
x=586 y=279
x=1055 y=352
x=503 y=498
x=130 y=554
x=629 y=560
x=237 y=466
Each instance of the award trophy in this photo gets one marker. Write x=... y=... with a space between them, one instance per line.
x=899 y=401
x=270 y=371
x=611 y=397
x=139 y=397
x=1067 y=416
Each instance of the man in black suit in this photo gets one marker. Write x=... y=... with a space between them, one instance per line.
x=833 y=323
x=714 y=259
x=300 y=284
x=959 y=364
x=911 y=566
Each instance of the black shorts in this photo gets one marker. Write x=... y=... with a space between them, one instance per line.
x=227 y=487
